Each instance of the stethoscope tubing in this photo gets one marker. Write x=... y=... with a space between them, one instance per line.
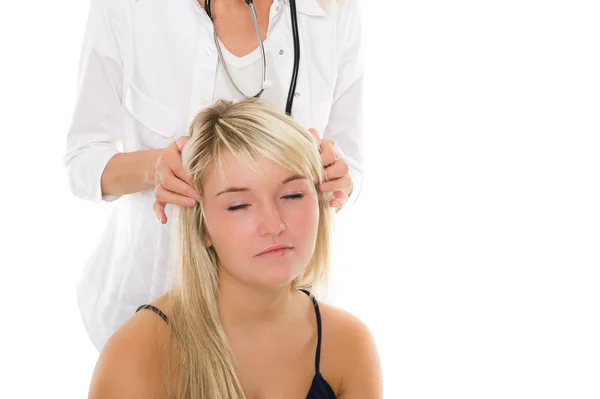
x=296 y=65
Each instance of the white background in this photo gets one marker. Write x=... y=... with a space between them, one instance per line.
x=472 y=253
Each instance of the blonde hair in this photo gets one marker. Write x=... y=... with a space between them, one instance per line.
x=248 y=130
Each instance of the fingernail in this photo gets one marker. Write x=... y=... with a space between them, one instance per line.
x=323 y=187
x=158 y=217
x=334 y=203
x=190 y=202
x=196 y=197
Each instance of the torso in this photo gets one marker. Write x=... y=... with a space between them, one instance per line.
x=280 y=363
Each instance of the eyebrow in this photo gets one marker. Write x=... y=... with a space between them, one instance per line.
x=243 y=189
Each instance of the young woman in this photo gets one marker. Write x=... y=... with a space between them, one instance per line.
x=239 y=321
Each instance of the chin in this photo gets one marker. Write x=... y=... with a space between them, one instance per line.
x=278 y=276
x=276 y=281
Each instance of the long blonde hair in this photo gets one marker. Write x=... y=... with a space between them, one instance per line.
x=248 y=130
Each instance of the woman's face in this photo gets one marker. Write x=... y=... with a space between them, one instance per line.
x=263 y=227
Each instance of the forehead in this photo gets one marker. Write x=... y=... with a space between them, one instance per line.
x=233 y=172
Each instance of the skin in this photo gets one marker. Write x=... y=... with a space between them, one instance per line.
x=236 y=31
x=278 y=209
x=271 y=327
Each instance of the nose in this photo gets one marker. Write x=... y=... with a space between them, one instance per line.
x=272 y=223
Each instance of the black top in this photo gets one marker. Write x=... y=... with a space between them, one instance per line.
x=319 y=389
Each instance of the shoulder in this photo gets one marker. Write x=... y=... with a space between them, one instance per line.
x=340 y=322
x=132 y=362
x=352 y=353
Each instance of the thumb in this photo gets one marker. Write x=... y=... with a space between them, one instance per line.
x=315 y=135
x=181 y=142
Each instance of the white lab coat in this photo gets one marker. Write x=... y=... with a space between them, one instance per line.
x=147 y=68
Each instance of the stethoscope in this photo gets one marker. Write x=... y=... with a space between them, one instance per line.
x=292 y=90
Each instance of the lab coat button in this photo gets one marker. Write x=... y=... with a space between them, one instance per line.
x=208 y=50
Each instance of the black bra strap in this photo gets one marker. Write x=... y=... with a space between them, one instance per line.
x=155 y=310
x=319 y=329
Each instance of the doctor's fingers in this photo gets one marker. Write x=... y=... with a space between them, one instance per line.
x=328 y=155
x=339 y=199
x=180 y=142
x=169 y=197
x=159 y=210
x=337 y=170
x=343 y=183
x=315 y=134
x=171 y=158
x=173 y=183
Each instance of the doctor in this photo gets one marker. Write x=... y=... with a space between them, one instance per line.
x=147 y=68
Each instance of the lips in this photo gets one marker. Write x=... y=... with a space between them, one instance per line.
x=276 y=250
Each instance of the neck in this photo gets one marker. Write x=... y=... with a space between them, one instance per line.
x=245 y=307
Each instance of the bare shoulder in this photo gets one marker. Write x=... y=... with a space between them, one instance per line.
x=349 y=349
x=346 y=327
x=132 y=362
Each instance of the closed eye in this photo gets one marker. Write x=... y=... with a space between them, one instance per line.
x=238 y=207
x=244 y=206
x=294 y=196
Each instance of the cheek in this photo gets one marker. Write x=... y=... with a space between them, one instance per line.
x=229 y=234
x=219 y=228
x=304 y=222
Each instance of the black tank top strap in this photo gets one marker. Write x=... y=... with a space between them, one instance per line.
x=319 y=330
x=155 y=310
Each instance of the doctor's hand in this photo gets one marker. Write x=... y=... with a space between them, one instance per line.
x=172 y=184
x=337 y=177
